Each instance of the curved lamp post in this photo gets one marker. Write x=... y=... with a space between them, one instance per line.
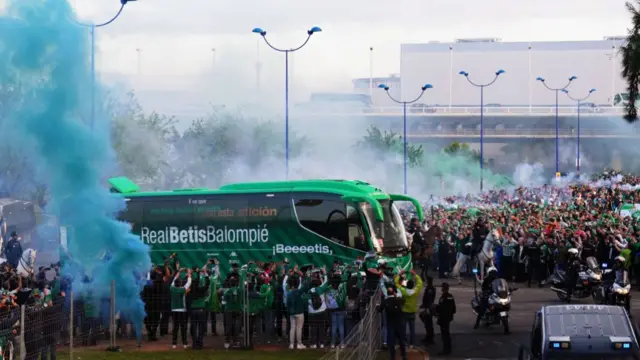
x=404 y=122
x=557 y=90
x=578 y=100
x=286 y=52
x=482 y=86
x=93 y=56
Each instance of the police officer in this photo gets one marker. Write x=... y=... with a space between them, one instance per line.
x=426 y=314
x=534 y=265
x=573 y=269
x=480 y=232
x=13 y=250
x=446 y=309
x=492 y=274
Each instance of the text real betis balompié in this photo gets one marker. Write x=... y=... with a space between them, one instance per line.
x=208 y=234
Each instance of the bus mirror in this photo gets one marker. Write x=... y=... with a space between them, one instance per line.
x=377 y=208
x=416 y=204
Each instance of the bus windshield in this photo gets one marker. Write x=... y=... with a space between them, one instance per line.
x=388 y=234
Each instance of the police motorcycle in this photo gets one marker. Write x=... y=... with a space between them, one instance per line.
x=616 y=289
x=497 y=304
x=587 y=282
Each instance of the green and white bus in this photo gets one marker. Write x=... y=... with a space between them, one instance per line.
x=303 y=221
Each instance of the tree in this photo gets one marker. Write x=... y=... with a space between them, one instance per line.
x=388 y=142
x=461 y=149
x=631 y=62
x=227 y=146
x=141 y=141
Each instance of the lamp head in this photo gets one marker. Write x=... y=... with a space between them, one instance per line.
x=124 y=2
x=383 y=87
x=259 y=31
x=499 y=72
x=592 y=90
x=427 y=86
x=573 y=78
x=314 y=29
x=564 y=91
x=540 y=79
x=464 y=73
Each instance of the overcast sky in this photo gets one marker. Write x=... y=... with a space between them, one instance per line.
x=175 y=37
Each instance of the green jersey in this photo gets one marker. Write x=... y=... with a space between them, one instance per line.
x=177 y=295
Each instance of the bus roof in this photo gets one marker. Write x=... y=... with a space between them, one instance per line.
x=349 y=190
x=592 y=321
x=127 y=187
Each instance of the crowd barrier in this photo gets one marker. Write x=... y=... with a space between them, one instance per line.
x=69 y=326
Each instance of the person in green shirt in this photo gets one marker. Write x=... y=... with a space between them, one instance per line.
x=267 y=282
x=213 y=298
x=179 y=289
x=256 y=304
x=89 y=320
x=296 y=302
x=232 y=310
x=317 y=307
x=199 y=294
x=335 y=297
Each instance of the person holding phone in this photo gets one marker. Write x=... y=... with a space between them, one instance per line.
x=179 y=289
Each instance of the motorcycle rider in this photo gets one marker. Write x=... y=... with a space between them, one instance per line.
x=620 y=270
x=492 y=274
x=573 y=269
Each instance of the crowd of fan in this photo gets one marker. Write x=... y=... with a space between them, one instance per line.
x=538 y=225
x=306 y=306
x=303 y=305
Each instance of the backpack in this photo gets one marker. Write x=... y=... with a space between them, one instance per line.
x=316 y=301
x=331 y=298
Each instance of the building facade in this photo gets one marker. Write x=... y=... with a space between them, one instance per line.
x=595 y=63
x=378 y=97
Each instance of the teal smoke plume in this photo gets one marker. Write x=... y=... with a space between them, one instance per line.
x=44 y=58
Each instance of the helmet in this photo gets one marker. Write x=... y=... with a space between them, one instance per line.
x=492 y=270
x=573 y=252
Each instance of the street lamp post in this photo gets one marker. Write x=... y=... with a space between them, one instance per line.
x=93 y=56
x=482 y=86
x=557 y=90
x=286 y=52
x=579 y=100
x=404 y=122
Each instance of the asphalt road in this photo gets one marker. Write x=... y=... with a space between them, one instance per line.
x=492 y=343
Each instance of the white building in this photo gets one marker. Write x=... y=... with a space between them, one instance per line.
x=369 y=86
x=595 y=63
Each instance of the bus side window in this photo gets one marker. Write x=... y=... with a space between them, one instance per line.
x=326 y=218
x=357 y=238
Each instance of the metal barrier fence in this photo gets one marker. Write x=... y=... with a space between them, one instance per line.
x=71 y=324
